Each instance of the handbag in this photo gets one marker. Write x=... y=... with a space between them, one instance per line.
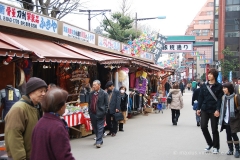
x=118 y=116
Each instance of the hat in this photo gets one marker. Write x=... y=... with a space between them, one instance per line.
x=34 y=83
x=109 y=83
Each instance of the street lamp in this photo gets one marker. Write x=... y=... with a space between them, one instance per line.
x=143 y=19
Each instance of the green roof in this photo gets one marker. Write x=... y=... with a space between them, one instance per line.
x=203 y=44
x=180 y=38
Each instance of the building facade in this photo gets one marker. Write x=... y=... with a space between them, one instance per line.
x=202 y=27
x=227 y=19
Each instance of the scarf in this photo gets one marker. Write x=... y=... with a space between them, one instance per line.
x=225 y=99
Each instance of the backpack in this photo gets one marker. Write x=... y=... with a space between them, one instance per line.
x=169 y=98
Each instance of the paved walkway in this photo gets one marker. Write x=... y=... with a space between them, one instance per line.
x=153 y=137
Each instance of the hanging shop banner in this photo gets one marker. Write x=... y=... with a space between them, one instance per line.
x=219 y=79
x=26 y=18
x=178 y=47
x=77 y=33
x=230 y=76
x=159 y=45
x=108 y=43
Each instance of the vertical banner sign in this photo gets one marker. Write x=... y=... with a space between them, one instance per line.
x=219 y=79
x=159 y=44
x=230 y=76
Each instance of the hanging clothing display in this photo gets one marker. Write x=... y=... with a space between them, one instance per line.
x=8 y=97
x=141 y=85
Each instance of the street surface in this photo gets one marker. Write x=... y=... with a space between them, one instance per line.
x=153 y=137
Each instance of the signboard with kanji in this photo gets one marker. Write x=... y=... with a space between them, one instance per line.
x=27 y=18
x=78 y=33
x=159 y=45
x=178 y=47
x=108 y=43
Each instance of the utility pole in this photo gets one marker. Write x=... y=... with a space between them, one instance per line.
x=89 y=15
x=136 y=24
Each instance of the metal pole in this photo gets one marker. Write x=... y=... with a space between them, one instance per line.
x=193 y=70
x=136 y=24
x=89 y=20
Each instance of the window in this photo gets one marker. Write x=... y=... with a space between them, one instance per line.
x=216 y=3
x=233 y=8
x=236 y=2
x=204 y=22
x=216 y=23
x=231 y=2
x=205 y=32
x=209 y=13
x=210 y=4
x=232 y=34
x=197 y=32
x=216 y=33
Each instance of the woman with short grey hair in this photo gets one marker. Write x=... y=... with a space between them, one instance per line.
x=50 y=139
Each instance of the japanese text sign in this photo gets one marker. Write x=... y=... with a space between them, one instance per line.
x=159 y=45
x=77 y=33
x=177 y=47
x=108 y=43
x=27 y=18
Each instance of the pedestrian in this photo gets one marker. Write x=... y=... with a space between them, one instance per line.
x=113 y=107
x=188 y=86
x=194 y=85
x=181 y=86
x=167 y=87
x=195 y=102
x=176 y=104
x=123 y=106
x=50 y=138
x=98 y=103
x=51 y=86
x=230 y=119
x=209 y=104
x=22 y=118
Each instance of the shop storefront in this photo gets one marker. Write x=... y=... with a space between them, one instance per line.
x=72 y=58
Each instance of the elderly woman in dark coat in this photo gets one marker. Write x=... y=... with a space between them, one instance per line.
x=50 y=139
x=230 y=119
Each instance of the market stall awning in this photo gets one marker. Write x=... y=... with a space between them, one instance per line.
x=156 y=67
x=9 y=50
x=102 y=58
x=45 y=51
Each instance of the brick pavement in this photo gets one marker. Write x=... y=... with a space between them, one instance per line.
x=153 y=137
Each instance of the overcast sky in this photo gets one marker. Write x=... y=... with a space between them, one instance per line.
x=179 y=13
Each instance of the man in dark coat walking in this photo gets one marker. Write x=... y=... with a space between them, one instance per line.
x=209 y=106
x=113 y=107
x=98 y=103
x=167 y=87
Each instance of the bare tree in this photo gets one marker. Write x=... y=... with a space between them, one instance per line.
x=125 y=6
x=54 y=8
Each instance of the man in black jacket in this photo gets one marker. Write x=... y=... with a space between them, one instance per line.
x=98 y=103
x=209 y=106
x=113 y=107
x=167 y=87
x=195 y=98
